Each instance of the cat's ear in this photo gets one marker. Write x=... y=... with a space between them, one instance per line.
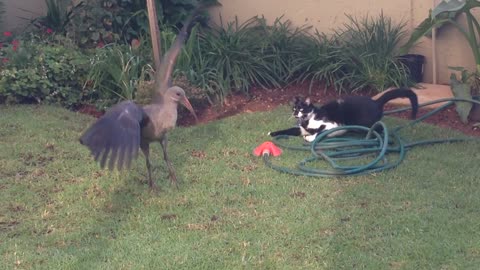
x=307 y=101
x=295 y=100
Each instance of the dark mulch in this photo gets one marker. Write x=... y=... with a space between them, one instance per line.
x=265 y=100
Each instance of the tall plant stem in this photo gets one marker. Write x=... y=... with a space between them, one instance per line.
x=472 y=39
x=473 y=33
x=154 y=33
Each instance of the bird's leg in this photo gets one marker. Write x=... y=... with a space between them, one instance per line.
x=146 y=152
x=171 y=170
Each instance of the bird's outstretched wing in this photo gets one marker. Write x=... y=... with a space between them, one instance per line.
x=168 y=61
x=115 y=137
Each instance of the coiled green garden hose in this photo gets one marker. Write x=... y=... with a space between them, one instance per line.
x=336 y=150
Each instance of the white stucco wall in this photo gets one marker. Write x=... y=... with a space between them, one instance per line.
x=452 y=50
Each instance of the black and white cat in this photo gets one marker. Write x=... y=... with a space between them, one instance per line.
x=352 y=110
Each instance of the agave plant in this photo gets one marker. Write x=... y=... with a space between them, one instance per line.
x=445 y=13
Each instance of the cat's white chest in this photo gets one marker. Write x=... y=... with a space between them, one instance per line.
x=319 y=124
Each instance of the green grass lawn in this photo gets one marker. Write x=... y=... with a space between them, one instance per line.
x=60 y=211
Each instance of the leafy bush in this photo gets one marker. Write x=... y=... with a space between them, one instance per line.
x=116 y=72
x=371 y=45
x=174 y=12
x=234 y=52
x=93 y=23
x=230 y=57
x=97 y=23
x=318 y=59
x=282 y=45
x=57 y=17
x=37 y=72
x=363 y=54
x=191 y=70
x=217 y=60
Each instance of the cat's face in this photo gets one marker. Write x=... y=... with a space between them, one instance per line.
x=301 y=109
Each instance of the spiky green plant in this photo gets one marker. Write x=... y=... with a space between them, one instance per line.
x=370 y=46
x=117 y=70
x=317 y=59
x=235 y=54
x=58 y=15
x=282 y=44
x=362 y=54
x=240 y=56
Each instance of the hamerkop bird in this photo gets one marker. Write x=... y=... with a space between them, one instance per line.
x=114 y=139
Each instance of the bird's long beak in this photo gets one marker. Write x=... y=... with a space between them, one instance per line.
x=187 y=105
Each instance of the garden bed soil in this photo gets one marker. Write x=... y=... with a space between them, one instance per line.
x=268 y=99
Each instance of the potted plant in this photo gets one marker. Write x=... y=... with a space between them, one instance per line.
x=446 y=13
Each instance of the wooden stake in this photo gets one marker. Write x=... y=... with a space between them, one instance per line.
x=154 y=33
x=434 y=51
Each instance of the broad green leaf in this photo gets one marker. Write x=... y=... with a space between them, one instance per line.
x=448 y=6
x=445 y=12
x=461 y=90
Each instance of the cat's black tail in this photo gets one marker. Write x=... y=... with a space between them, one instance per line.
x=400 y=93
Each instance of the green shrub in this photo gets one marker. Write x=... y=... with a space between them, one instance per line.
x=116 y=72
x=235 y=53
x=363 y=54
x=58 y=16
x=238 y=57
x=37 y=72
x=230 y=57
x=318 y=59
x=191 y=67
x=370 y=50
x=282 y=45
x=174 y=12
x=218 y=60
x=93 y=23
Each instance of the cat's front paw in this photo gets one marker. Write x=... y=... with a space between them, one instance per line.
x=310 y=138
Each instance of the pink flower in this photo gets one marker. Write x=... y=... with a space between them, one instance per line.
x=100 y=44
x=15 y=44
x=135 y=43
x=49 y=30
x=7 y=34
x=4 y=60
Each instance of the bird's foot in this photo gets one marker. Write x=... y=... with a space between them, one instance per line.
x=173 y=180
x=153 y=186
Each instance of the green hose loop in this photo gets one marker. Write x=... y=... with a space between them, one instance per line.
x=379 y=147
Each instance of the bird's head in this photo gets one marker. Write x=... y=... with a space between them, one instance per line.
x=177 y=94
